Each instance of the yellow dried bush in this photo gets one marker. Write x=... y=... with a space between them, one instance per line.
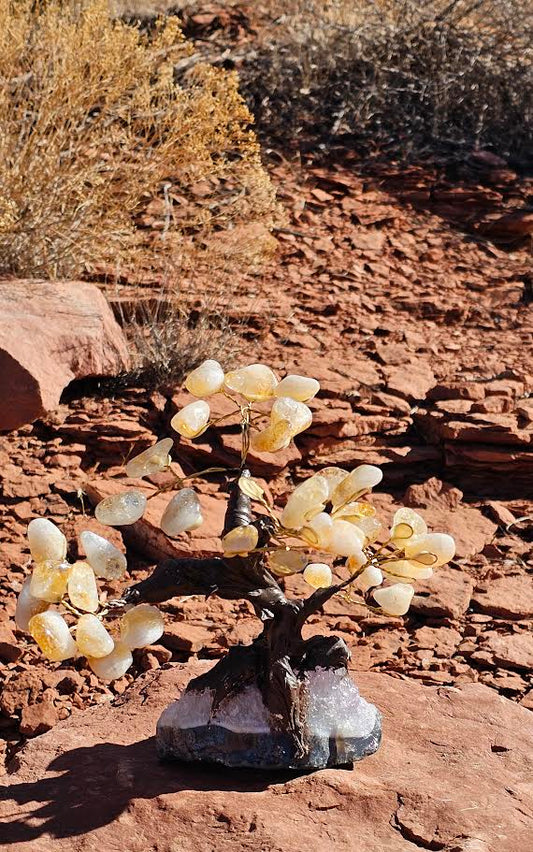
x=97 y=127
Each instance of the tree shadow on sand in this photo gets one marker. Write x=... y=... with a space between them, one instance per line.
x=95 y=785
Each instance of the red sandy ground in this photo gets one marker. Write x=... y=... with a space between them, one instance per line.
x=409 y=297
x=420 y=335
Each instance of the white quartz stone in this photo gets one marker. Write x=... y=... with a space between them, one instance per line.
x=28 y=606
x=182 y=513
x=336 y=709
x=105 y=559
x=121 y=509
x=47 y=542
x=300 y=388
x=151 y=461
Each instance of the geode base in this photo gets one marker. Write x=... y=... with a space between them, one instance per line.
x=342 y=728
x=213 y=744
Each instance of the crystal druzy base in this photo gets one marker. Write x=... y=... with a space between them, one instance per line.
x=342 y=728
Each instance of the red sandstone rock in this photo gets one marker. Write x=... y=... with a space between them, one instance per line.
x=527 y=700
x=22 y=689
x=65 y=681
x=38 y=718
x=94 y=781
x=513 y=651
x=10 y=651
x=52 y=333
x=511 y=226
x=443 y=640
x=500 y=513
x=510 y=596
x=411 y=381
x=180 y=636
x=446 y=595
x=432 y=493
x=154 y=656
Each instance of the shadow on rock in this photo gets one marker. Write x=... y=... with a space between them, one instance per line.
x=94 y=785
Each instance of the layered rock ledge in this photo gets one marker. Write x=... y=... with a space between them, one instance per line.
x=453 y=773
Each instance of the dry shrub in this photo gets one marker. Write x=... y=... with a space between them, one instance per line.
x=145 y=9
x=411 y=77
x=169 y=341
x=174 y=327
x=99 y=138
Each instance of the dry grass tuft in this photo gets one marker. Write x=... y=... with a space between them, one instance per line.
x=97 y=130
x=168 y=344
x=397 y=74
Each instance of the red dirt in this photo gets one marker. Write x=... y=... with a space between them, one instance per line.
x=452 y=774
x=407 y=293
x=421 y=339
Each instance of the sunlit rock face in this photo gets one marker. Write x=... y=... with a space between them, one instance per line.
x=343 y=727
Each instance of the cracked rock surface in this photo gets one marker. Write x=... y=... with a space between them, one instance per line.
x=453 y=773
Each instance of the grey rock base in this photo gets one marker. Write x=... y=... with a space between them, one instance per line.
x=341 y=727
x=214 y=744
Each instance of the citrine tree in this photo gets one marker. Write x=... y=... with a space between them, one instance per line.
x=327 y=530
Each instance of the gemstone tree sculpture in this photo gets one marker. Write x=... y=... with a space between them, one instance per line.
x=283 y=701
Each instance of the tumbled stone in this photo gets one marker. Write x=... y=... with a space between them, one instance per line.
x=298 y=415
x=140 y=626
x=49 y=581
x=403 y=568
x=105 y=559
x=240 y=540
x=192 y=419
x=440 y=545
x=370 y=577
x=182 y=513
x=256 y=382
x=50 y=631
x=394 y=600
x=333 y=476
x=81 y=586
x=92 y=638
x=307 y=500
x=121 y=509
x=318 y=575
x=114 y=665
x=360 y=480
x=346 y=539
x=283 y=563
x=276 y=436
x=318 y=531
x=300 y=388
x=47 y=542
x=151 y=461
x=406 y=525
x=28 y=605
x=206 y=379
